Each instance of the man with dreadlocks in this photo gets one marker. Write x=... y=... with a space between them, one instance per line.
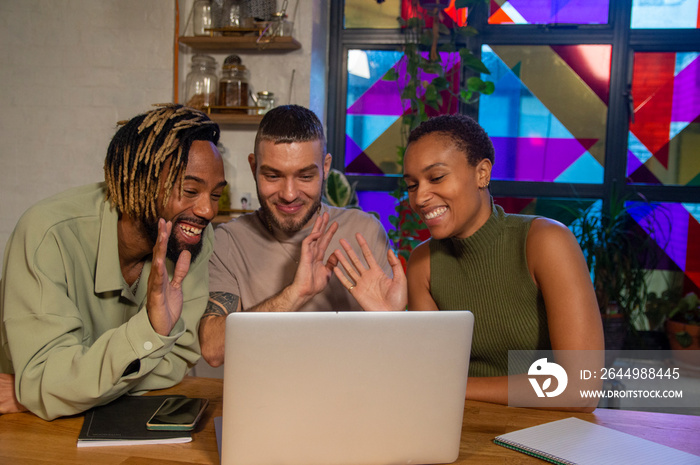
x=104 y=285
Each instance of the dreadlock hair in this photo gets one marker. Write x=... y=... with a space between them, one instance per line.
x=139 y=150
x=467 y=135
x=290 y=123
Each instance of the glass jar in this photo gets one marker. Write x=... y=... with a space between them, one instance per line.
x=233 y=85
x=280 y=26
x=201 y=83
x=266 y=100
x=201 y=17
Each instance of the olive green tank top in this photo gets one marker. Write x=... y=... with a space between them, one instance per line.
x=487 y=274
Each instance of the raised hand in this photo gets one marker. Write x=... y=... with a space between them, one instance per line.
x=371 y=287
x=164 y=297
x=313 y=274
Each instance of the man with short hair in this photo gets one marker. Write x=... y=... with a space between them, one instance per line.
x=280 y=258
x=104 y=285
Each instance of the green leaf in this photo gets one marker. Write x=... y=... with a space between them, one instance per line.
x=473 y=62
x=409 y=92
x=415 y=23
x=476 y=84
x=391 y=75
x=466 y=96
x=684 y=338
x=339 y=192
x=447 y=47
x=440 y=83
x=426 y=38
x=433 y=104
x=410 y=50
x=467 y=31
x=432 y=68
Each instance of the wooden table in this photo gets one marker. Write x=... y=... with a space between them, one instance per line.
x=26 y=439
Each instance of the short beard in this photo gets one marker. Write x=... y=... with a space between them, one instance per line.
x=290 y=226
x=175 y=248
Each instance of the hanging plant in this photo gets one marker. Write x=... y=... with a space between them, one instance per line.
x=427 y=89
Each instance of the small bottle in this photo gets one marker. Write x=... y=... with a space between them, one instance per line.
x=266 y=100
x=201 y=17
x=201 y=83
x=233 y=85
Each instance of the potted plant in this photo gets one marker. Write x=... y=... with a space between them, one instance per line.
x=338 y=191
x=683 y=330
x=620 y=256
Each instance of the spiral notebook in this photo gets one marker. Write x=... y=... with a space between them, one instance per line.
x=575 y=441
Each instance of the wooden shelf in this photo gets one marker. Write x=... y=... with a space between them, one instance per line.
x=235 y=119
x=247 y=43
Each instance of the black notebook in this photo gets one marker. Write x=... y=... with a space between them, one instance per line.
x=123 y=422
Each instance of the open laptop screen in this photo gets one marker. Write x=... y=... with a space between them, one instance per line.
x=345 y=388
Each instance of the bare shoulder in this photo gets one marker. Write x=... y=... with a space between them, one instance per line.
x=548 y=234
x=552 y=248
x=420 y=257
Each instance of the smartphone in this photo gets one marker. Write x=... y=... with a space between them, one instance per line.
x=177 y=414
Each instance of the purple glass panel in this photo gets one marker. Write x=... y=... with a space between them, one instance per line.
x=535 y=158
x=686 y=98
x=549 y=12
x=383 y=98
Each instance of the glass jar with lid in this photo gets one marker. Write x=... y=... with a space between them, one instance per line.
x=266 y=100
x=233 y=85
x=201 y=83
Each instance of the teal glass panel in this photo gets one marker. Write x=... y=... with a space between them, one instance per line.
x=660 y=14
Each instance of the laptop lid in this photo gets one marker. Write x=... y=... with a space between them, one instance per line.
x=350 y=388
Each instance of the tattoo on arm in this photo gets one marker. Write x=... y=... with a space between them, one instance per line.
x=221 y=304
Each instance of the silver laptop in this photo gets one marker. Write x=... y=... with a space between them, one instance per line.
x=350 y=388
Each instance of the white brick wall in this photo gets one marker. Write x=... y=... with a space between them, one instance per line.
x=70 y=69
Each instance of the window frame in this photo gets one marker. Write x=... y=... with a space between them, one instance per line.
x=617 y=33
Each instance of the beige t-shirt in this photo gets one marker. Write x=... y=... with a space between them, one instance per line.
x=255 y=264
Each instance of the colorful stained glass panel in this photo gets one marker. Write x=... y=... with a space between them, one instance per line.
x=370 y=14
x=549 y=12
x=671 y=226
x=664 y=136
x=374 y=108
x=676 y=14
x=548 y=114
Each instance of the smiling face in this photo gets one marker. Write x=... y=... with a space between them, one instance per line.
x=446 y=191
x=289 y=179
x=193 y=207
